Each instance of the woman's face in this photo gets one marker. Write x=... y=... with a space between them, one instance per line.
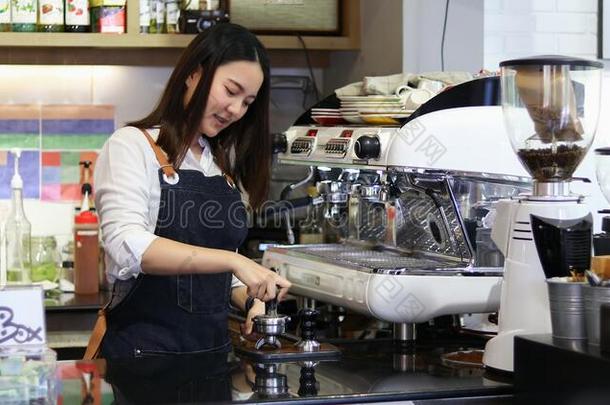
x=234 y=88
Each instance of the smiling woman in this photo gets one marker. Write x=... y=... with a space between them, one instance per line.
x=204 y=145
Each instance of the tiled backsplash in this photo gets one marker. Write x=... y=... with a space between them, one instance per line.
x=54 y=139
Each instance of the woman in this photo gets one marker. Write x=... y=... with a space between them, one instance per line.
x=168 y=196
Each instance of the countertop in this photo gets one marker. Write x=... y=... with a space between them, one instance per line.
x=377 y=371
x=560 y=371
x=67 y=302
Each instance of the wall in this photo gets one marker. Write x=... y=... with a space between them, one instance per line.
x=381 y=46
x=518 y=28
x=422 y=35
x=133 y=90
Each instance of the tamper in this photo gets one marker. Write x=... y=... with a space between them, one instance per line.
x=308 y=342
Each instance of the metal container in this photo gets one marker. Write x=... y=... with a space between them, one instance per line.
x=594 y=297
x=567 y=309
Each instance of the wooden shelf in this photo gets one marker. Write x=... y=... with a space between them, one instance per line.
x=61 y=48
x=96 y=40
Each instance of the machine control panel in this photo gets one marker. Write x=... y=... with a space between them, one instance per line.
x=302 y=145
x=330 y=146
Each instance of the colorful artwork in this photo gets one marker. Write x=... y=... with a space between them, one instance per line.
x=75 y=127
x=62 y=176
x=19 y=126
x=54 y=139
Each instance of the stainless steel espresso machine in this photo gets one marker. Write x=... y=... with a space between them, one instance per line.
x=411 y=207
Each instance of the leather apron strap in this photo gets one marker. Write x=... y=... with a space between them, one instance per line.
x=167 y=167
x=97 y=335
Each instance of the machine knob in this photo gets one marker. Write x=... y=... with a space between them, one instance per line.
x=279 y=143
x=367 y=147
x=308 y=323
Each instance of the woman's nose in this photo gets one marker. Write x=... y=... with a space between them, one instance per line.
x=235 y=107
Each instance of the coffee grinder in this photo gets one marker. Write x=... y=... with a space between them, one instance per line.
x=551 y=108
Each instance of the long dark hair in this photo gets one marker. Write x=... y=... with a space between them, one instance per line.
x=249 y=137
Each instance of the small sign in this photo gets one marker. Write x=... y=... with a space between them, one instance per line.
x=22 y=316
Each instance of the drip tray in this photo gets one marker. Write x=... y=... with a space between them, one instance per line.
x=384 y=261
x=376 y=260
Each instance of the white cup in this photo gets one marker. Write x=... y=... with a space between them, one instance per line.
x=432 y=85
x=416 y=97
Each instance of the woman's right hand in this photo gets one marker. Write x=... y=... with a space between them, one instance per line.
x=261 y=282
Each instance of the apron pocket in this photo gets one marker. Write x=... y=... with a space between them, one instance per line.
x=204 y=293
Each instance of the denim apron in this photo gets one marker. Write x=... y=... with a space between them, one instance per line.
x=188 y=313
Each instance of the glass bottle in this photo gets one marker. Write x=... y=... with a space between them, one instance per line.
x=67 y=263
x=23 y=15
x=152 y=25
x=45 y=259
x=17 y=235
x=77 y=16
x=5 y=15
x=144 y=16
x=50 y=16
x=160 y=9
x=172 y=12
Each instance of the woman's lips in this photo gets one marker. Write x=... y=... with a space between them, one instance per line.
x=220 y=120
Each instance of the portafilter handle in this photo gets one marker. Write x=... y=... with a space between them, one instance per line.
x=271 y=307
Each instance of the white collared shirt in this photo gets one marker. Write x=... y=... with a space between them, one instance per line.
x=127 y=197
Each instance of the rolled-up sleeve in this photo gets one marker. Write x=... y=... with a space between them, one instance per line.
x=123 y=197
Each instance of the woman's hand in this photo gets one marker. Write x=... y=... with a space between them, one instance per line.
x=258 y=308
x=261 y=282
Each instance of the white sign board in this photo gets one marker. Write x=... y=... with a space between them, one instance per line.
x=22 y=316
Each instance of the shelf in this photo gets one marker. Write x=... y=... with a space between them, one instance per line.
x=132 y=48
x=97 y=40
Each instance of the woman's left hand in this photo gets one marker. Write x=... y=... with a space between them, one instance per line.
x=258 y=308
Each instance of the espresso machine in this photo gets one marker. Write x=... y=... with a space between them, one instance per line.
x=403 y=207
x=551 y=109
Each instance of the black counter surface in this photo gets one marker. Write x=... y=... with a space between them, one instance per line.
x=560 y=371
x=376 y=371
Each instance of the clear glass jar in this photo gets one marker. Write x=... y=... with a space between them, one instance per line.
x=46 y=260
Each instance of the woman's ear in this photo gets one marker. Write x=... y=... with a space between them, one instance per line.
x=193 y=79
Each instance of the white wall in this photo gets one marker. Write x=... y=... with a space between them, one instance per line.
x=133 y=90
x=516 y=28
x=381 y=46
x=422 y=35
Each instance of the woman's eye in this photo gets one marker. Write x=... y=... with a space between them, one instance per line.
x=231 y=92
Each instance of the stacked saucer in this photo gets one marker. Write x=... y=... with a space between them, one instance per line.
x=374 y=110
x=327 y=117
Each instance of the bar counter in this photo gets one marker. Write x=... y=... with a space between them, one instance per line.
x=367 y=372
